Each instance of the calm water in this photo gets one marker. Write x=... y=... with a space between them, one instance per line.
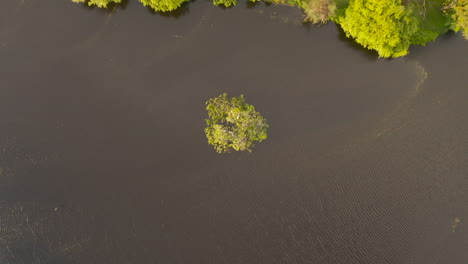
x=103 y=158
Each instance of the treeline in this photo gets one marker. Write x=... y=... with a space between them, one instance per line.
x=389 y=27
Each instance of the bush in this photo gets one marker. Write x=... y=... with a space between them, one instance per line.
x=226 y=3
x=458 y=14
x=99 y=3
x=319 y=11
x=163 y=5
x=233 y=124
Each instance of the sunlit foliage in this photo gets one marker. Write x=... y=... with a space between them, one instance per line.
x=458 y=13
x=319 y=11
x=99 y=3
x=163 y=5
x=226 y=3
x=385 y=26
x=233 y=124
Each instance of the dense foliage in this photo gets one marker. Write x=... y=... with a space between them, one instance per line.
x=385 y=26
x=226 y=3
x=99 y=3
x=233 y=124
x=163 y=5
x=458 y=12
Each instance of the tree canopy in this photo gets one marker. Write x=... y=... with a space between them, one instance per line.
x=99 y=3
x=385 y=26
x=233 y=124
x=163 y=5
x=225 y=3
x=458 y=13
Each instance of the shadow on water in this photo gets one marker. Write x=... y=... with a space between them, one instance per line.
x=111 y=7
x=250 y=4
x=418 y=50
x=309 y=26
x=371 y=55
x=450 y=35
x=225 y=7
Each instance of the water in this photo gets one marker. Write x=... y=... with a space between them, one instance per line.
x=103 y=158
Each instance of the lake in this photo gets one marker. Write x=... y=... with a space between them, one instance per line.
x=103 y=157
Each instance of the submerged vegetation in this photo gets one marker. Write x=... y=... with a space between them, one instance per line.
x=233 y=124
x=389 y=27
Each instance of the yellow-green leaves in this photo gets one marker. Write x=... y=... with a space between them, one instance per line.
x=233 y=124
x=163 y=5
x=458 y=12
x=226 y=3
x=157 y=5
x=99 y=3
x=385 y=26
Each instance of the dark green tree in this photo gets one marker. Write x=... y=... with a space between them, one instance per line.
x=233 y=124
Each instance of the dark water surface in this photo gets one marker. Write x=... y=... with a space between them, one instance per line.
x=103 y=158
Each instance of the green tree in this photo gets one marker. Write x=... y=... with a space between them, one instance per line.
x=99 y=3
x=233 y=124
x=163 y=5
x=382 y=25
x=458 y=13
x=319 y=11
x=226 y=3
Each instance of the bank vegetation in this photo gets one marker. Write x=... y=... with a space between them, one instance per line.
x=389 y=27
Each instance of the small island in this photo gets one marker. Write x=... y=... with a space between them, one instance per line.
x=233 y=124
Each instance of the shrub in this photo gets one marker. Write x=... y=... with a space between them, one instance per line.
x=233 y=124
x=458 y=14
x=99 y=3
x=226 y=3
x=319 y=11
x=163 y=5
